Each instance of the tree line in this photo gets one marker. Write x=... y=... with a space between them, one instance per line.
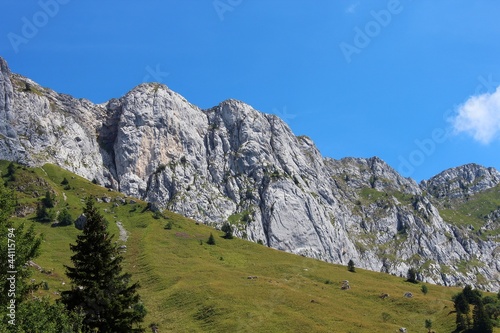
x=475 y=313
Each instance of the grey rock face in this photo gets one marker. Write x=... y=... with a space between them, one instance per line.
x=8 y=133
x=462 y=181
x=41 y=126
x=233 y=162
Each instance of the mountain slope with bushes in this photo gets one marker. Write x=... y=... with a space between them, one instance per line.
x=235 y=285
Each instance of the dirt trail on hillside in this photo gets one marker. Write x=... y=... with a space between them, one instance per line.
x=123 y=232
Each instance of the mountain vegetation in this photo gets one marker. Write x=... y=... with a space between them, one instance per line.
x=485 y=311
x=232 y=286
x=247 y=190
x=99 y=289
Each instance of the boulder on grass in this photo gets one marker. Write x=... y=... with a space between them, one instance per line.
x=80 y=222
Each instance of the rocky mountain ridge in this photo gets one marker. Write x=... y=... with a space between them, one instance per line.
x=462 y=181
x=233 y=163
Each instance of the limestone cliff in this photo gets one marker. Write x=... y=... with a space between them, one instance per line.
x=234 y=163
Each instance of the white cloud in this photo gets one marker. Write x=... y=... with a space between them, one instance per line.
x=479 y=117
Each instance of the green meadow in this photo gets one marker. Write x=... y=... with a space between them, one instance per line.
x=232 y=286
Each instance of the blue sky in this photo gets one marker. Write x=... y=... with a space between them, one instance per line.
x=413 y=82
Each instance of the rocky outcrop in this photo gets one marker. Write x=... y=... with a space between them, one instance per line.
x=80 y=222
x=233 y=163
x=7 y=132
x=462 y=181
x=38 y=126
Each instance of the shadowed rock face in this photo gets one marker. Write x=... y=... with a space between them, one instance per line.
x=234 y=162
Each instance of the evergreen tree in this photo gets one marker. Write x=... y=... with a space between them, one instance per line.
x=26 y=248
x=99 y=288
x=350 y=266
x=11 y=171
x=492 y=308
x=462 y=309
x=211 y=240
x=482 y=323
x=64 y=217
x=424 y=289
x=461 y=322
x=42 y=213
x=412 y=275
x=48 y=201
x=472 y=296
x=228 y=230
x=428 y=324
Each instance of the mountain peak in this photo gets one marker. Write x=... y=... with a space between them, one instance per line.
x=462 y=181
x=234 y=163
x=234 y=105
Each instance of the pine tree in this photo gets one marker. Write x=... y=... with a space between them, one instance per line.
x=350 y=266
x=211 y=240
x=48 y=201
x=64 y=217
x=424 y=289
x=11 y=170
x=228 y=230
x=99 y=288
x=482 y=323
x=412 y=275
x=462 y=309
x=42 y=213
x=428 y=324
x=473 y=296
x=460 y=321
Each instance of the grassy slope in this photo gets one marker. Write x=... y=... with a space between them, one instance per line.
x=193 y=287
x=473 y=211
